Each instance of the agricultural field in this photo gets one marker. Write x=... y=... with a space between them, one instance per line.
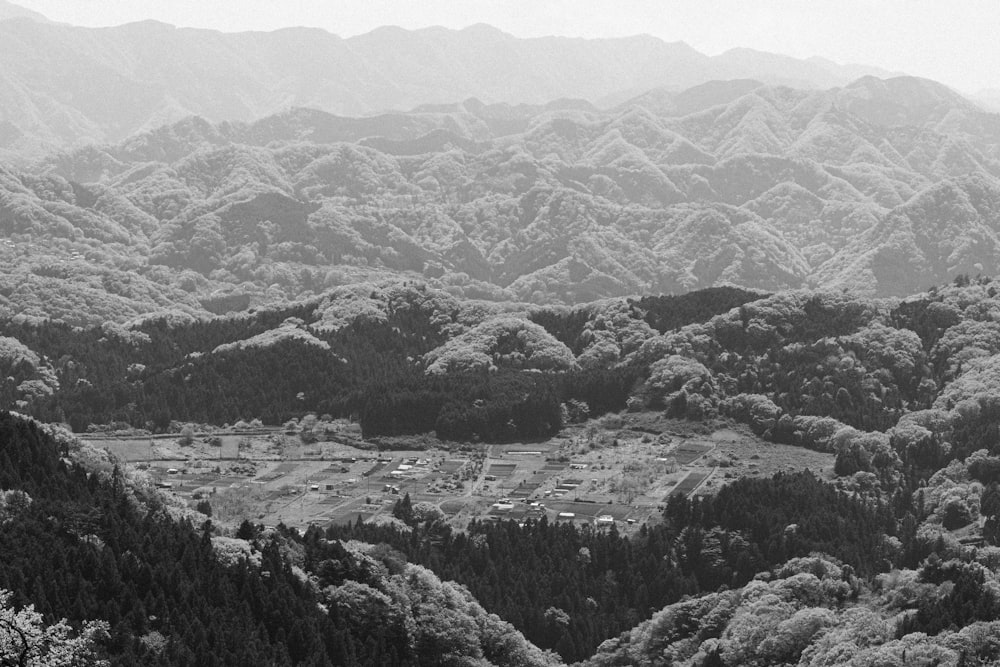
x=621 y=468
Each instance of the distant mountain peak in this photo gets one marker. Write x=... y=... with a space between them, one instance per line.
x=906 y=82
x=746 y=50
x=167 y=73
x=484 y=29
x=901 y=100
x=149 y=24
x=391 y=30
x=691 y=100
x=8 y=10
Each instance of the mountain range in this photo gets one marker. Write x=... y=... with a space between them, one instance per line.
x=66 y=85
x=883 y=186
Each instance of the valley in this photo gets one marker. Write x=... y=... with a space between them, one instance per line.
x=443 y=346
x=622 y=467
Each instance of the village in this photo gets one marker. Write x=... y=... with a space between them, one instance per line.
x=617 y=472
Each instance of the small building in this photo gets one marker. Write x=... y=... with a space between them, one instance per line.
x=605 y=520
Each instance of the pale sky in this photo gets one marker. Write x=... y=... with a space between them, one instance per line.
x=952 y=41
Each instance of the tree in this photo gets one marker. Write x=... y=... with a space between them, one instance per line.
x=989 y=504
x=246 y=531
x=403 y=510
x=187 y=435
x=307 y=432
x=427 y=512
x=25 y=641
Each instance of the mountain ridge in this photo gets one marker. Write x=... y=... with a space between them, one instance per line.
x=9 y=10
x=65 y=76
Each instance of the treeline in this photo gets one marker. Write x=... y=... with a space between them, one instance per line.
x=569 y=588
x=370 y=368
x=668 y=312
x=165 y=371
x=665 y=312
x=492 y=407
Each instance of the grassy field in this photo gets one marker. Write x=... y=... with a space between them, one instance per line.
x=691 y=482
x=687 y=453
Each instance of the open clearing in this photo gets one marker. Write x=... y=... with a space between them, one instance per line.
x=622 y=468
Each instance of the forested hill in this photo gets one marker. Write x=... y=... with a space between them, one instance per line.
x=883 y=187
x=400 y=357
x=403 y=358
x=143 y=581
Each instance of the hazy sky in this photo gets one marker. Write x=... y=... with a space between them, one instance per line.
x=952 y=41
